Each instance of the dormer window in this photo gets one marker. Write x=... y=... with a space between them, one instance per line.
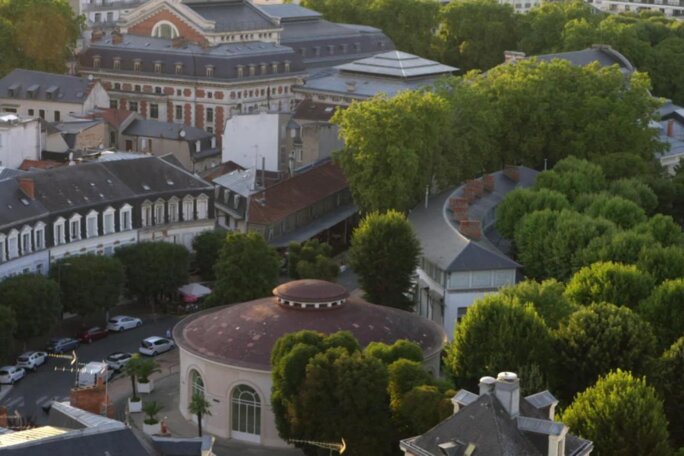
x=179 y=68
x=331 y=49
x=252 y=70
x=263 y=68
x=210 y=71
x=97 y=60
x=357 y=47
x=137 y=65
x=274 y=67
x=287 y=66
x=116 y=63
x=157 y=67
x=117 y=86
x=240 y=71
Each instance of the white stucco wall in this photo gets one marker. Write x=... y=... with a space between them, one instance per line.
x=38 y=263
x=97 y=98
x=249 y=137
x=19 y=142
x=181 y=234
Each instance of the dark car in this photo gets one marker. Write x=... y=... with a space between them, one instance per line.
x=91 y=334
x=62 y=344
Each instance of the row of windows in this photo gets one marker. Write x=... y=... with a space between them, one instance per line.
x=210 y=94
x=17 y=243
x=179 y=68
x=331 y=48
x=71 y=230
x=161 y=212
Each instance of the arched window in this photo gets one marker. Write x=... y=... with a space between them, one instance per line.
x=246 y=415
x=196 y=383
x=165 y=29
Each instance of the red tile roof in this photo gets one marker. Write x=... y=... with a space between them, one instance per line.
x=296 y=193
x=27 y=165
x=114 y=117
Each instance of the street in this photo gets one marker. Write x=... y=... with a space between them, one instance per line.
x=45 y=384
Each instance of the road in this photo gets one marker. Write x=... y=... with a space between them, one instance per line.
x=45 y=384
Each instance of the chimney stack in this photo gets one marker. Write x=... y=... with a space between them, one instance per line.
x=513 y=56
x=507 y=391
x=487 y=385
x=471 y=229
x=178 y=42
x=27 y=186
x=488 y=182
x=512 y=172
x=117 y=37
x=96 y=35
x=670 y=128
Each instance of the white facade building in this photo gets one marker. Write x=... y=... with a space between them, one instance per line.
x=20 y=139
x=256 y=140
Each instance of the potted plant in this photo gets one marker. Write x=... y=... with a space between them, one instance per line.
x=151 y=425
x=199 y=406
x=131 y=369
x=145 y=368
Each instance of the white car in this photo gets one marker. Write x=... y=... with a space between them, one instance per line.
x=11 y=374
x=155 y=345
x=32 y=359
x=122 y=323
x=118 y=360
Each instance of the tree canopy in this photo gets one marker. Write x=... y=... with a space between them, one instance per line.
x=667 y=379
x=311 y=260
x=35 y=302
x=207 y=247
x=621 y=414
x=8 y=326
x=663 y=309
x=247 y=269
x=547 y=298
x=384 y=253
x=89 y=283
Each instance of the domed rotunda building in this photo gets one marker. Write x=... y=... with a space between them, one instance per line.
x=225 y=352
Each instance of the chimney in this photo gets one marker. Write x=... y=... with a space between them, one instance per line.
x=507 y=391
x=513 y=56
x=487 y=385
x=471 y=229
x=351 y=86
x=512 y=172
x=670 y=128
x=27 y=186
x=117 y=37
x=178 y=42
x=488 y=182
x=96 y=35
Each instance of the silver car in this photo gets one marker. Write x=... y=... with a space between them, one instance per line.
x=11 y=374
x=31 y=360
x=122 y=323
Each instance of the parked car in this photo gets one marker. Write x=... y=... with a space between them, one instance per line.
x=118 y=360
x=123 y=322
x=11 y=374
x=62 y=344
x=32 y=359
x=155 y=345
x=91 y=334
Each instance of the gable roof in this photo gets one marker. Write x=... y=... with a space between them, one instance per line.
x=296 y=193
x=62 y=88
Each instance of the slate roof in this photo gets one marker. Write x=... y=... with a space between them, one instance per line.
x=8 y=173
x=446 y=247
x=398 y=64
x=233 y=15
x=165 y=130
x=65 y=89
x=486 y=424
x=71 y=188
x=311 y=110
x=603 y=54
x=242 y=182
x=296 y=193
x=289 y=11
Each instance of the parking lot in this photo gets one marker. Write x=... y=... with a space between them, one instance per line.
x=49 y=383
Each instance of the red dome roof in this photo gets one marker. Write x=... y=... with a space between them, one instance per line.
x=244 y=334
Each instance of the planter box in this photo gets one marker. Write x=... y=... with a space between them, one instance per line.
x=134 y=407
x=152 y=429
x=145 y=388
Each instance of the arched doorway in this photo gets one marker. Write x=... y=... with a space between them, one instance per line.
x=196 y=384
x=245 y=414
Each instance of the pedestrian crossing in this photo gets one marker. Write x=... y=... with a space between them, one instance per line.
x=20 y=401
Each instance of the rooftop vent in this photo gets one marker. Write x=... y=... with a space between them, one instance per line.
x=24 y=201
x=169 y=182
x=145 y=187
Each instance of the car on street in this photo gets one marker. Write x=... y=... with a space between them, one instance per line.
x=32 y=359
x=155 y=345
x=11 y=374
x=122 y=323
x=118 y=360
x=91 y=334
x=62 y=344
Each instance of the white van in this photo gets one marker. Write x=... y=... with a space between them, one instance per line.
x=89 y=374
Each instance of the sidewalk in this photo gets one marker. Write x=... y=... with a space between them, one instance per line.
x=166 y=387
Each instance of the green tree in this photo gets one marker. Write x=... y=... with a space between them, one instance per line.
x=621 y=414
x=619 y=284
x=497 y=334
x=663 y=309
x=521 y=202
x=475 y=33
x=395 y=17
x=384 y=253
x=663 y=228
x=154 y=270
x=311 y=260
x=44 y=33
x=207 y=247
x=247 y=269
x=8 y=326
x=401 y=349
x=35 y=302
x=663 y=263
x=345 y=11
x=199 y=407
x=393 y=148
x=89 y=283
x=595 y=340
x=422 y=408
x=572 y=177
x=547 y=297
x=667 y=377
x=619 y=247
x=635 y=191
x=624 y=213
